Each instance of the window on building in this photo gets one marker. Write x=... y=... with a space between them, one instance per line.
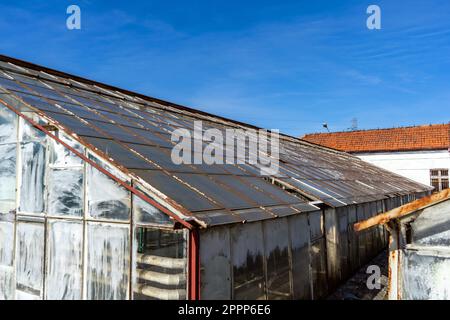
x=439 y=179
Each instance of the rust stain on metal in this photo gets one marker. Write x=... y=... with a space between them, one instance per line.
x=403 y=210
x=392 y=257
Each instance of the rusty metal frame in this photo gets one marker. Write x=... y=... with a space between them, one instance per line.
x=105 y=91
x=193 y=243
x=95 y=128
x=169 y=173
x=393 y=261
x=99 y=168
x=121 y=95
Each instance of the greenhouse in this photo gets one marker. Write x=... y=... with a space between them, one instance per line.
x=92 y=207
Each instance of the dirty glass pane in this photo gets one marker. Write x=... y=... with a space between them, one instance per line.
x=8 y=84
x=29 y=132
x=353 y=243
x=144 y=212
x=182 y=194
x=64 y=260
x=81 y=112
x=74 y=124
x=6 y=261
x=108 y=167
x=120 y=153
x=432 y=227
x=215 y=260
x=276 y=239
x=8 y=126
x=115 y=131
x=299 y=233
x=108 y=261
x=248 y=261
x=272 y=190
x=319 y=269
x=344 y=227
x=106 y=198
x=240 y=185
x=61 y=156
x=32 y=184
x=8 y=158
x=159 y=271
x=316 y=224
x=425 y=275
x=36 y=102
x=65 y=192
x=215 y=191
x=46 y=92
x=29 y=260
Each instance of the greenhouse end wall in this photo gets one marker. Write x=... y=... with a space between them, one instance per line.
x=68 y=231
x=304 y=256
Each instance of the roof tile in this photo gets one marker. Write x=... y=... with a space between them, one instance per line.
x=427 y=137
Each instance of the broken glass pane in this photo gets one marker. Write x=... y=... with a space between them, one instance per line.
x=33 y=171
x=108 y=261
x=6 y=261
x=8 y=126
x=8 y=158
x=65 y=192
x=29 y=260
x=64 y=260
x=106 y=198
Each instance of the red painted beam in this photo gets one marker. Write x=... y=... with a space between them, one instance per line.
x=194 y=265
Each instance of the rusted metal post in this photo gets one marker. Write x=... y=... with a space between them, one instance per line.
x=194 y=265
x=393 y=257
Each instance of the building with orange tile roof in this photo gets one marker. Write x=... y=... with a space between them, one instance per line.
x=421 y=153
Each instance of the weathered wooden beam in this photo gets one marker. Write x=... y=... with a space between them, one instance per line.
x=403 y=210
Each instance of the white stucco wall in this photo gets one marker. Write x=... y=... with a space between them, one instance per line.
x=415 y=165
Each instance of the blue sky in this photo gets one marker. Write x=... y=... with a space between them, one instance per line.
x=288 y=65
